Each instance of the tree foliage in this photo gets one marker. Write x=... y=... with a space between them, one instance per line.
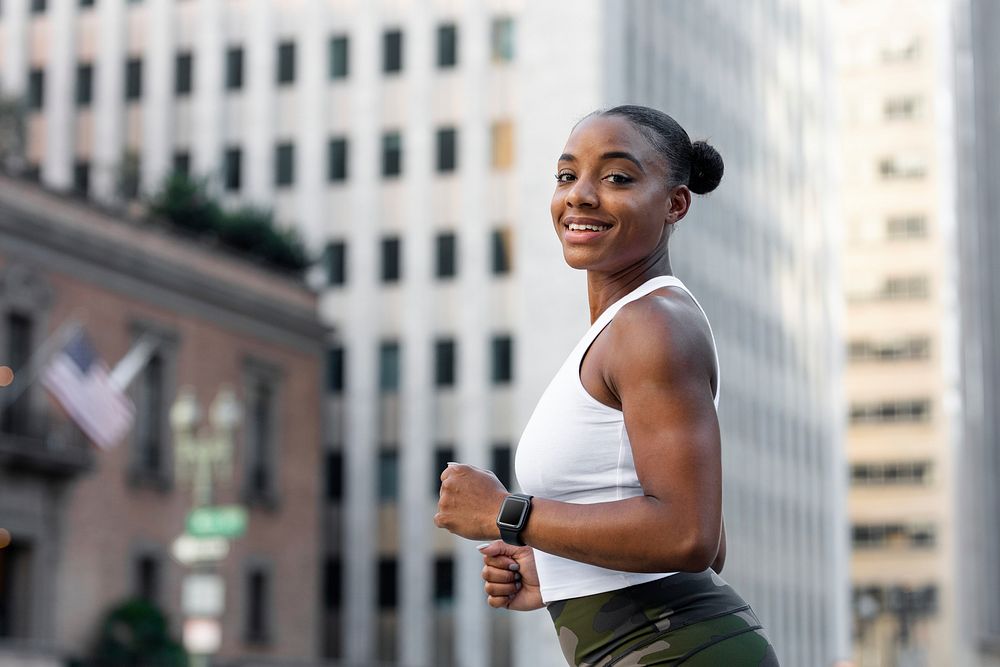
x=135 y=634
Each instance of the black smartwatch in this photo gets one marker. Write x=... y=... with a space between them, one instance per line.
x=513 y=517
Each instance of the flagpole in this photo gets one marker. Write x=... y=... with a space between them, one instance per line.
x=129 y=366
x=38 y=358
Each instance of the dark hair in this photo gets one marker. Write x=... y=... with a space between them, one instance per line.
x=696 y=165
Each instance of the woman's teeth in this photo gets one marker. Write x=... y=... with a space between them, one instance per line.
x=574 y=227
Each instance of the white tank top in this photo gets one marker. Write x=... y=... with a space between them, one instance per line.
x=575 y=449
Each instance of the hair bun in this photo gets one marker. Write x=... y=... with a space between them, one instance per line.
x=706 y=168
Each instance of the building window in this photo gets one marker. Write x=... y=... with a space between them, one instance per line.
x=392 y=154
x=38 y=6
x=146 y=585
x=234 y=68
x=16 y=590
x=501 y=243
x=392 y=269
x=333 y=576
x=893 y=536
x=447 y=45
x=388 y=367
x=334 y=476
x=902 y=167
x=16 y=417
x=447 y=149
x=84 y=84
x=36 y=89
x=257 y=607
x=444 y=362
x=446 y=264
x=501 y=464
x=502 y=144
x=444 y=581
x=335 y=261
x=335 y=370
x=906 y=227
x=182 y=162
x=151 y=410
x=133 y=79
x=233 y=169
x=339 y=57
x=502 y=39
x=286 y=63
x=901 y=49
x=443 y=454
x=392 y=51
x=890 y=411
x=284 y=164
x=387 y=585
x=904 y=107
x=904 y=287
x=86 y=3
x=891 y=473
x=183 y=74
x=903 y=349
x=337 y=159
x=81 y=177
x=388 y=475
x=502 y=360
x=261 y=437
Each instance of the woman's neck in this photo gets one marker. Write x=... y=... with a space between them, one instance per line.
x=603 y=289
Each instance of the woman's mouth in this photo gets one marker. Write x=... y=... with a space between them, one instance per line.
x=581 y=231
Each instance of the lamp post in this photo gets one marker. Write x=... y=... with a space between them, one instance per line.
x=204 y=456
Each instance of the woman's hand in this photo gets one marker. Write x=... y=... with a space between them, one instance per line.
x=510 y=576
x=469 y=503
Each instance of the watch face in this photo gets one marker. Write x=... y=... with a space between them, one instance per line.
x=512 y=512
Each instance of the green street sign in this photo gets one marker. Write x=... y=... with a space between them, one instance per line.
x=224 y=521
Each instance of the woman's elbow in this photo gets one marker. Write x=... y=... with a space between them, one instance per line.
x=698 y=553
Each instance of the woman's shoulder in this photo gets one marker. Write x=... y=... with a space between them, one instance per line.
x=667 y=322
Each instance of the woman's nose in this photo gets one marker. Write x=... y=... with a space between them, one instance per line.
x=583 y=194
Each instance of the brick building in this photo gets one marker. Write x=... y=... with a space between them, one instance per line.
x=91 y=527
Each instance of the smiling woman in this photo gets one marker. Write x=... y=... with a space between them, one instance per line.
x=619 y=531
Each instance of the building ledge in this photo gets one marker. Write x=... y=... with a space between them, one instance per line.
x=41 y=457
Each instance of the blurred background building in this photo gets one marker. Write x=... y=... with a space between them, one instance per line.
x=413 y=144
x=901 y=326
x=92 y=528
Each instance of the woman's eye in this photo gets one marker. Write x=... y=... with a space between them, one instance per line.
x=564 y=177
x=619 y=179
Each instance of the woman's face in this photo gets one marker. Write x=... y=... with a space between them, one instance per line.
x=613 y=202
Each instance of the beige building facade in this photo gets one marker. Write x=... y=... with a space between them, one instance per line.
x=900 y=327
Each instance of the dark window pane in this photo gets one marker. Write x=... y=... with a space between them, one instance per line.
x=447 y=149
x=150 y=418
x=286 y=62
x=444 y=580
x=392 y=154
x=284 y=165
x=335 y=370
x=15 y=418
x=182 y=162
x=258 y=595
x=86 y=3
x=501 y=464
x=388 y=366
x=84 y=84
x=447 y=45
x=388 y=475
x=336 y=263
x=387 y=583
x=147 y=578
x=81 y=177
x=502 y=359
x=502 y=39
x=36 y=89
x=17 y=564
x=260 y=440
x=133 y=79
x=334 y=476
x=333 y=574
x=233 y=169
x=234 y=68
x=447 y=262
x=391 y=259
x=444 y=363
x=38 y=6
x=392 y=51
x=339 y=57
x=337 y=159
x=501 y=243
x=183 y=74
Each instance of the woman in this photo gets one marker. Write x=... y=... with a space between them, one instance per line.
x=622 y=532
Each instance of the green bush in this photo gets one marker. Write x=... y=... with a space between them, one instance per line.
x=134 y=634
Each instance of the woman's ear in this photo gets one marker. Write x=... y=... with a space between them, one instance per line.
x=678 y=204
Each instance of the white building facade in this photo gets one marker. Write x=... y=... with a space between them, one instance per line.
x=413 y=144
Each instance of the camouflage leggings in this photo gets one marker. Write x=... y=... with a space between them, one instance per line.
x=684 y=619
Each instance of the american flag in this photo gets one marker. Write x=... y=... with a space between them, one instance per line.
x=79 y=380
